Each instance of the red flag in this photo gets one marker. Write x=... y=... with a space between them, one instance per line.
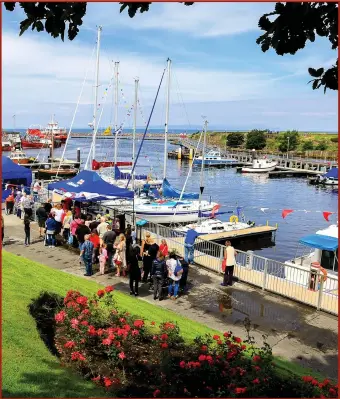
x=286 y=212
x=214 y=210
x=326 y=215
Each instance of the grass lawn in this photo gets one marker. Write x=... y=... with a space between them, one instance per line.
x=28 y=368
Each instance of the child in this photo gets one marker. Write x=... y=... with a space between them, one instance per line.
x=158 y=272
x=164 y=248
x=27 y=229
x=102 y=259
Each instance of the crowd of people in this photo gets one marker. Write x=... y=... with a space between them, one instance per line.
x=101 y=242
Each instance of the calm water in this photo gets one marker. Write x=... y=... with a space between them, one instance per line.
x=232 y=189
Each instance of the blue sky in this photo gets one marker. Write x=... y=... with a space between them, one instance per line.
x=218 y=70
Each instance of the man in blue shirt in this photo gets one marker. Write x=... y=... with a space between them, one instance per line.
x=189 y=245
x=86 y=253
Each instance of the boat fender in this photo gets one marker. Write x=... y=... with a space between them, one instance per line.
x=233 y=219
x=324 y=272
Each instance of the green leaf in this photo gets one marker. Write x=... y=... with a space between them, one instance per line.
x=24 y=25
x=9 y=6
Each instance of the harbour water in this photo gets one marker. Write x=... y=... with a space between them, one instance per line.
x=231 y=190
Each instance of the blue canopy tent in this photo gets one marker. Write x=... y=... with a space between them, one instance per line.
x=90 y=182
x=170 y=192
x=325 y=243
x=15 y=174
x=332 y=173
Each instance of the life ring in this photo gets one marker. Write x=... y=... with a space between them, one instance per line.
x=233 y=219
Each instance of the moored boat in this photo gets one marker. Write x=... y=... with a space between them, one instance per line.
x=213 y=158
x=328 y=179
x=19 y=157
x=212 y=226
x=260 y=166
x=321 y=255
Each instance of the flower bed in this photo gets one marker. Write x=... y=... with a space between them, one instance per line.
x=133 y=358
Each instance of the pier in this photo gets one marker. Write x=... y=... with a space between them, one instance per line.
x=126 y=136
x=309 y=166
x=251 y=232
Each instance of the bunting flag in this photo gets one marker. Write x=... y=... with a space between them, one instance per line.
x=326 y=215
x=286 y=212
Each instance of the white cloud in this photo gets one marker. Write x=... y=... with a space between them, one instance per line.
x=200 y=19
x=39 y=73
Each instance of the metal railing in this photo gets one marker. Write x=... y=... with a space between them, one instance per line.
x=293 y=282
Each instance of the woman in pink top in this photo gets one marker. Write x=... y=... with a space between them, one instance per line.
x=164 y=248
x=73 y=227
x=102 y=259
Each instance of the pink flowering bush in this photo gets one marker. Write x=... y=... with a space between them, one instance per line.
x=129 y=356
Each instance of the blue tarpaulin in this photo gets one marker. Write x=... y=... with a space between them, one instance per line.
x=13 y=173
x=90 y=182
x=319 y=241
x=5 y=194
x=171 y=192
x=332 y=173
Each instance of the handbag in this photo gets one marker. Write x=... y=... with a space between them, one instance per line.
x=224 y=265
x=178 y=269
x=116 y=259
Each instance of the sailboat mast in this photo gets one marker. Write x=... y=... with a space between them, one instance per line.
x=202 y=166
x=134 y=129
x=116 y=110
x=96 y=96
x=167 y=118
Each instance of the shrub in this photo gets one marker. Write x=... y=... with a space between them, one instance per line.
x=235 y=139
x=134 y=358
x=322 y=146
x=334 y=140
x=288 y=141
x=256 y=139
x=308 y=145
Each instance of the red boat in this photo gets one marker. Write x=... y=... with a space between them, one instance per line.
x=33 y=144
x=106 y=164
x=52 y=129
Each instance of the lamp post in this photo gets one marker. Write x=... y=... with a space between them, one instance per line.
x=287 y=147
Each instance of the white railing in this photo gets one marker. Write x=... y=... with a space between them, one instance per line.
x=289 y=281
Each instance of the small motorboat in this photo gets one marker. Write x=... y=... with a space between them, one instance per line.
x=260 y=166
x=322 y=251
x=213 y=158
x=212 y=226
x=19 y=157
x=6 y=146
x=328 y=179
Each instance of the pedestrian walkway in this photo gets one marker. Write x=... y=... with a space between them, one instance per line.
x=295 y=332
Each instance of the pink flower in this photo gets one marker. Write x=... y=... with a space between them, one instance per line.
x=256 y=358
x=122 y=355
x=82 y=300
x=60 y=317
x=156 y=393
x=227 y=334
x=256 y=381
x=237 y=339
x=164 y=337
x=77 y=356
x=201 y=358
x=70 y=344
x=95 y=379
x=134 y=332
x=182 y=364
x=101 y=293
x=216 y=337
x=138 y=323
x=109 y=288
x=106 y=341
x=204 y=348
x=92 y=331
x=164 y=345
x=153 y=323
x=107 y=382
x=240 y=390
x=84 y=323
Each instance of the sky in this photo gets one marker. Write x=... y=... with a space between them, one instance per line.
x=218 y=71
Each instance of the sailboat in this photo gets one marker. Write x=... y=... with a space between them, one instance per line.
x=175 y=206
x=96 y=165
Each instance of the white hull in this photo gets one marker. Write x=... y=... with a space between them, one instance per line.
x=214 y=226
x=163 y=213
x=258 y=170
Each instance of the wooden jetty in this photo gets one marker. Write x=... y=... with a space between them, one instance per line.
x=291 y=173
x=251 y=232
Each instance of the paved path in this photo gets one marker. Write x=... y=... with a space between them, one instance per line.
x=296 y=332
